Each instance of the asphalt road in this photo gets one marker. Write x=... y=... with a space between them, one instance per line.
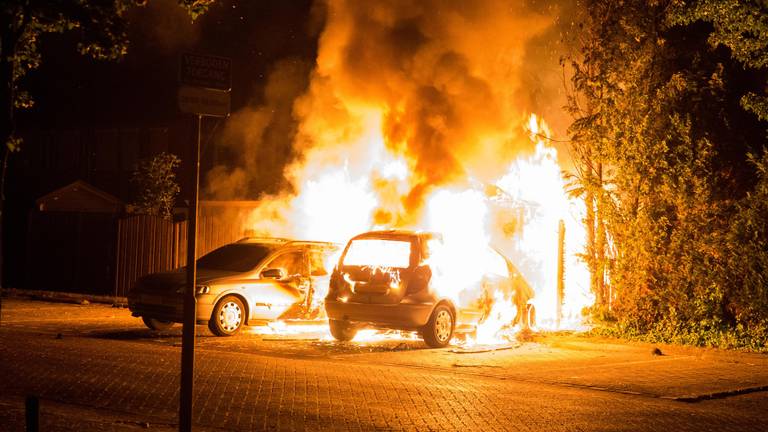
x=96 y=368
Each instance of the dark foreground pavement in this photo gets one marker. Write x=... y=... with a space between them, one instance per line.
x=96 y=368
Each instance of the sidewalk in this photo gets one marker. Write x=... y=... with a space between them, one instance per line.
x=681 y=373
x=97 y=368
x=67 y=297
x=566 y=359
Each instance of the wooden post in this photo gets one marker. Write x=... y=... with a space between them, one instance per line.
x=32 y=413
x=560 y=270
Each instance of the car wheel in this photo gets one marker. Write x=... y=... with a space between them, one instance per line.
x=342 y=330
x=439 y=330
x=156 y=324
x=228 y=317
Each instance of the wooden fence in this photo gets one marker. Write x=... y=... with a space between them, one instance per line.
x=149 y=244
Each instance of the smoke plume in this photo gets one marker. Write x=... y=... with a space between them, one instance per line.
x=446 y=86
x=256 y=141
x=451 y=81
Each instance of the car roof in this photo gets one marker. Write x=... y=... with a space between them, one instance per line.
x=278 y=241
x=397 y=233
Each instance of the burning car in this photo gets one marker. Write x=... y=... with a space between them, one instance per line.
x=249 y=282
x=404 y=280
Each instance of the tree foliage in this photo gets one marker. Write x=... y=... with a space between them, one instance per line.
x=101 y=27
x=740 y=25
x=662 y=149
x=156 y=185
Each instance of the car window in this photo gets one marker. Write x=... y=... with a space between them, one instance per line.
x=234 y=257
x=321 y=262
x=292 y=264
x=378 y=253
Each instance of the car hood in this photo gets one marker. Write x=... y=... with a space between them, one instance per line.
x=171 y=281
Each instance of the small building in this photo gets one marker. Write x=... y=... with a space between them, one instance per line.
x=71 y=240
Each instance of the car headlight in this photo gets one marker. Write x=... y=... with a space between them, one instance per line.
x=202 y=289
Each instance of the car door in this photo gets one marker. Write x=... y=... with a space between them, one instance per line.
x=321 y=263
x=276 y=295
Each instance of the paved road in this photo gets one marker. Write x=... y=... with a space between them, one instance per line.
x=97 y=368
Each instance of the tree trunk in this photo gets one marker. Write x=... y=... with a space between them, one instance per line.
x=589 y=224
x=600 y=243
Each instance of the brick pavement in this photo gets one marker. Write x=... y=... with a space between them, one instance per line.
x=138 y=379
x=681 y=372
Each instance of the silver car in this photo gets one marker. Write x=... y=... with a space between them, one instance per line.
x=249 y=282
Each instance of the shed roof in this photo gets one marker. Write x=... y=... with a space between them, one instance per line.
x=80 y=196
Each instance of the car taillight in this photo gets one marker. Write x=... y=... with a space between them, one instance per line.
x=419 y=280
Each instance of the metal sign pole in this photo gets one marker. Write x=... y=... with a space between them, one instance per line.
x=190 y=319
x=205 y=85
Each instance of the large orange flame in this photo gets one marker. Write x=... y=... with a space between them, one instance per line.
x=414 y=120
x=336 y=204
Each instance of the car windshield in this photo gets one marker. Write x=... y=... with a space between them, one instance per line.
x=234 y=257
x=378 y=253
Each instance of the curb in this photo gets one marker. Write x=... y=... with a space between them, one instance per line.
x=67 y=297
x=720 y=395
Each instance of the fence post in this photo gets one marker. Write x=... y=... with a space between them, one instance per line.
x=117 y=257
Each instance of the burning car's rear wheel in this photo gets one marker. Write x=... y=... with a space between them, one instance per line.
x=156 y=324
x=439 y=330
x=228 y=317
x=342 y=330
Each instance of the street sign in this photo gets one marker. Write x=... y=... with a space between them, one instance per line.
x=198 y=70
x=204 y=101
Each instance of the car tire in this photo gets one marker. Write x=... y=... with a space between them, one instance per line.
x=228 y=316
x=439 y=330
x=156 y=324
x=342 y=330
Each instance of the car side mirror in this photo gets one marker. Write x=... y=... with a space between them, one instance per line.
x=273 y=273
